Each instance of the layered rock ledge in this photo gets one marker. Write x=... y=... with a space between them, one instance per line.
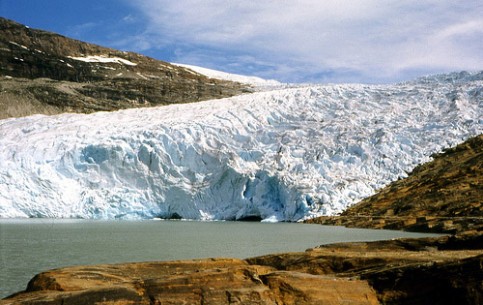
x=446 y=270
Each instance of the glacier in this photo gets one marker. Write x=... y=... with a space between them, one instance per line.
x=283 y=154
x=257 y=82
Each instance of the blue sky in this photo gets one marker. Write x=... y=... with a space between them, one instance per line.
x=369 y=41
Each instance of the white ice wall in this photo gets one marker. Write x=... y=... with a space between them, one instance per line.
x=281 y=155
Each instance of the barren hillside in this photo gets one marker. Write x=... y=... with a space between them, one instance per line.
x=42 y=72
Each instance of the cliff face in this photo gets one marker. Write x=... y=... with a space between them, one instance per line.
x=42 y=72
x=444 y=195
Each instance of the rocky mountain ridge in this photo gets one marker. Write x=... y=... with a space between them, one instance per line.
x=43 y=72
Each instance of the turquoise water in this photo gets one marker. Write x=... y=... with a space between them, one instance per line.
x=29 y=246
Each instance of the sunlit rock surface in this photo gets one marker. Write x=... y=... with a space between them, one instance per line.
x=446 y=270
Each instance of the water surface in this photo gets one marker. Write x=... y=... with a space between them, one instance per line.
x=30 y=246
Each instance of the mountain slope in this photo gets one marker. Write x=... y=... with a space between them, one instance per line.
x=444 y=195
x=42 y=72
x=278 y=155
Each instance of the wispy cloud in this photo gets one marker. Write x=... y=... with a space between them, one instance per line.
x=311 y=40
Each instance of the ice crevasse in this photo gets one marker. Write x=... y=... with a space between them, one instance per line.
x=281 y=155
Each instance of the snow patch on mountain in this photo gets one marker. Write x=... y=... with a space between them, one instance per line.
x=281 y=155
x=250 y=80
x=104 y=59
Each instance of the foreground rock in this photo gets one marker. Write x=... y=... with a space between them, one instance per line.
x=46 y=73
x=445 y=270
x=212 y=281
x=444 y=195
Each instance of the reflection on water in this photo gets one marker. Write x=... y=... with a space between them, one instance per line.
x=29 y=246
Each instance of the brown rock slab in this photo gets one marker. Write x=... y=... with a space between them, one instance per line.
x=211 y=281
x=301 y=288
x=445 y=270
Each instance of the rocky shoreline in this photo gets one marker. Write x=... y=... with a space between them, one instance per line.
x=444 y=270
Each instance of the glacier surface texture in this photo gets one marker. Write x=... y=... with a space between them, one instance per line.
x=281 y=155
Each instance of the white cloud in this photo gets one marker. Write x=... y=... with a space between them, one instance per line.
x=372 y=40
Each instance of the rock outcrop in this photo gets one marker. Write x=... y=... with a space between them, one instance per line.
x=210 y=281
x=42 y=72
x=444 y=195
x=446 y=270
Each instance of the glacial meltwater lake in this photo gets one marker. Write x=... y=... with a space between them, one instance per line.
x=29 y=246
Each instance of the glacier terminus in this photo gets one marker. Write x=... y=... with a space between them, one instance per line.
x=281 y=154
